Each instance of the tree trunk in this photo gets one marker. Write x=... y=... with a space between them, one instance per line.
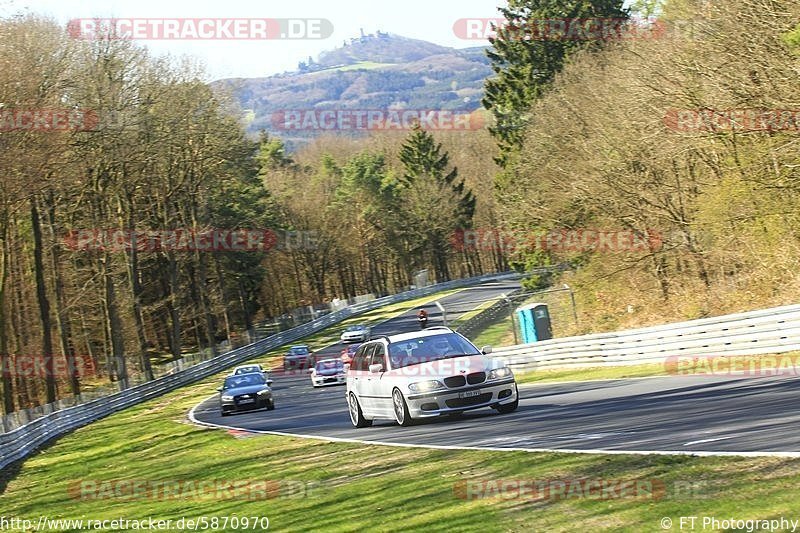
x=172 y=306
x=223 y=298
x=44 y=304
x=202 y=288
x=62 y=320
x=5 y=359
x=136 y=293
x=115 y=327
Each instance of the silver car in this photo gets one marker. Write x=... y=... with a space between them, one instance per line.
x=357 y=333
x=328 y=372
x=253 y=368
x=425 y=374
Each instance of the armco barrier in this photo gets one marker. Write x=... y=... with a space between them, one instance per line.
x=18 y=443
x=478 y=322
x=767 y=331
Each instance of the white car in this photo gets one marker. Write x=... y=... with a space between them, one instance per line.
x=328 y=372
x=252 y=369
x=424 y=374
x=357 y=333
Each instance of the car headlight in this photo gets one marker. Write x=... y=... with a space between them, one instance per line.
x=227 y=398
x=499 y=373
x=263 y=391
x=425 y=386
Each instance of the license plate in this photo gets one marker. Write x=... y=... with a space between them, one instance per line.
x=469 y=394
x=247 y=400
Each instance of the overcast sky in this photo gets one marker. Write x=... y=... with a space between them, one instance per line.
x=430 y=20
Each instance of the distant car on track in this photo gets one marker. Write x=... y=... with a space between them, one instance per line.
x=328 y=372
x=356 y=333
x=296 y=357
x=253 y=368
x=245 y=392
x=424 y=374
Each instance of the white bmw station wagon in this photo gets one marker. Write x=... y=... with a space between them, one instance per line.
x=424 y=374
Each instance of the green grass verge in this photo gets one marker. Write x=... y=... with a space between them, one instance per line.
x=753 y=365
x=593 y=373
x=469 y=314
x=353 y=487
x=497 y=334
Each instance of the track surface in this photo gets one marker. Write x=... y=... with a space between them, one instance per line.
x=455 y=305
x=684 y=414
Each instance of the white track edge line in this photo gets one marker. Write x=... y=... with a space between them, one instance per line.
x=194 y=420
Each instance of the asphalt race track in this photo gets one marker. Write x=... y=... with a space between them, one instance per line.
x=455 y=305
x=666 y=414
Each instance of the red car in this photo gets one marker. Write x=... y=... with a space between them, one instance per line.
x=348 y=353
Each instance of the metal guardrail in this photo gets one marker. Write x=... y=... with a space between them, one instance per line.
x=767 y=331
x=19 y=442
x=478 y=322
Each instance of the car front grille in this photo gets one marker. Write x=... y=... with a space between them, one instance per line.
x=476 y=377
x=455 y=381
x=467 y=402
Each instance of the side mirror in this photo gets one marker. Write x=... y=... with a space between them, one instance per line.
x=219 y=389
x=486 y=350
x=377 y=368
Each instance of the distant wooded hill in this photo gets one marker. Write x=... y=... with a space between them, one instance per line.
x=377 y=71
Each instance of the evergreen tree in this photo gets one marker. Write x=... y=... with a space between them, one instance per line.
x=526 y=56
x=436 y=202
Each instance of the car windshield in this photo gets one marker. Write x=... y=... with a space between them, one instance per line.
x=427 y=349
x=298 y=350
x=245 y=380
x=329 y=364
x=354 y=328
x=247 y=370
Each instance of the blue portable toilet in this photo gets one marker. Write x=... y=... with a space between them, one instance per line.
x=534 y=323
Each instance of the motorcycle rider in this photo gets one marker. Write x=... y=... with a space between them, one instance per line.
x=422 y=317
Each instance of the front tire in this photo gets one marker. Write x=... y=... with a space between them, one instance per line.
x=401 y=414
x=356 y=415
